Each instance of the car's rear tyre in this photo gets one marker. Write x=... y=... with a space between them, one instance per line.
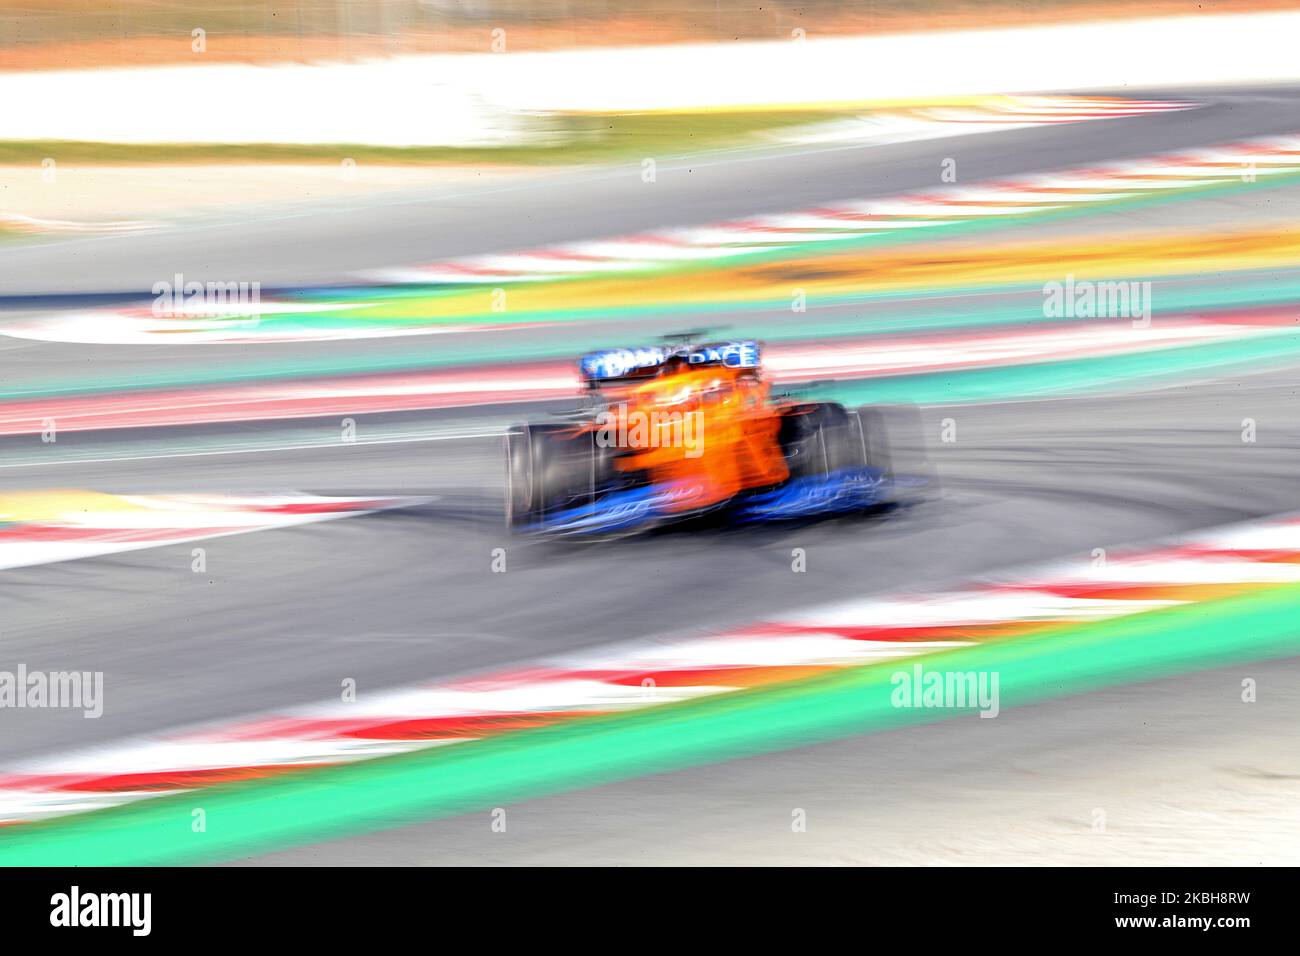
x=870 y=433
x=822 y=438
x=551 y=467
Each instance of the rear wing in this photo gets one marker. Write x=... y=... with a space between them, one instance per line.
x=614 y=365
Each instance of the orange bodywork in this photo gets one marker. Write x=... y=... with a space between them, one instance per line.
x=709 y=433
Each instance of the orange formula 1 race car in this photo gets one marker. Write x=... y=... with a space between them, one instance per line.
x=677 y=432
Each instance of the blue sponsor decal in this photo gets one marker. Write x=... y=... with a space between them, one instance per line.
x=619 y=363
x=730 y=354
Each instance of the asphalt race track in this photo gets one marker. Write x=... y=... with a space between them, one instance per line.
x=281 y=617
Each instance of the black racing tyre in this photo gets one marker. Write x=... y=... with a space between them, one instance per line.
x=550 y=467
x=872 y=435
x=820 y=438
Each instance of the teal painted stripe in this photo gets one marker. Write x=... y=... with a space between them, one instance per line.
x=1070 y=377
x=432 y=352
x=905 y=310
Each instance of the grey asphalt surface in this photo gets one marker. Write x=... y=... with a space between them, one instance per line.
x=280 y=618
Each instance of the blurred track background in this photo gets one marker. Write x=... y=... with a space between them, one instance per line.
x=407 y=324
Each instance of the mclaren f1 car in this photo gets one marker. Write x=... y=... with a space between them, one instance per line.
x=667 y=433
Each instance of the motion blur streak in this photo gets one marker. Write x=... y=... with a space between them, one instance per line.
x=882 y=357
x=42 y=527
